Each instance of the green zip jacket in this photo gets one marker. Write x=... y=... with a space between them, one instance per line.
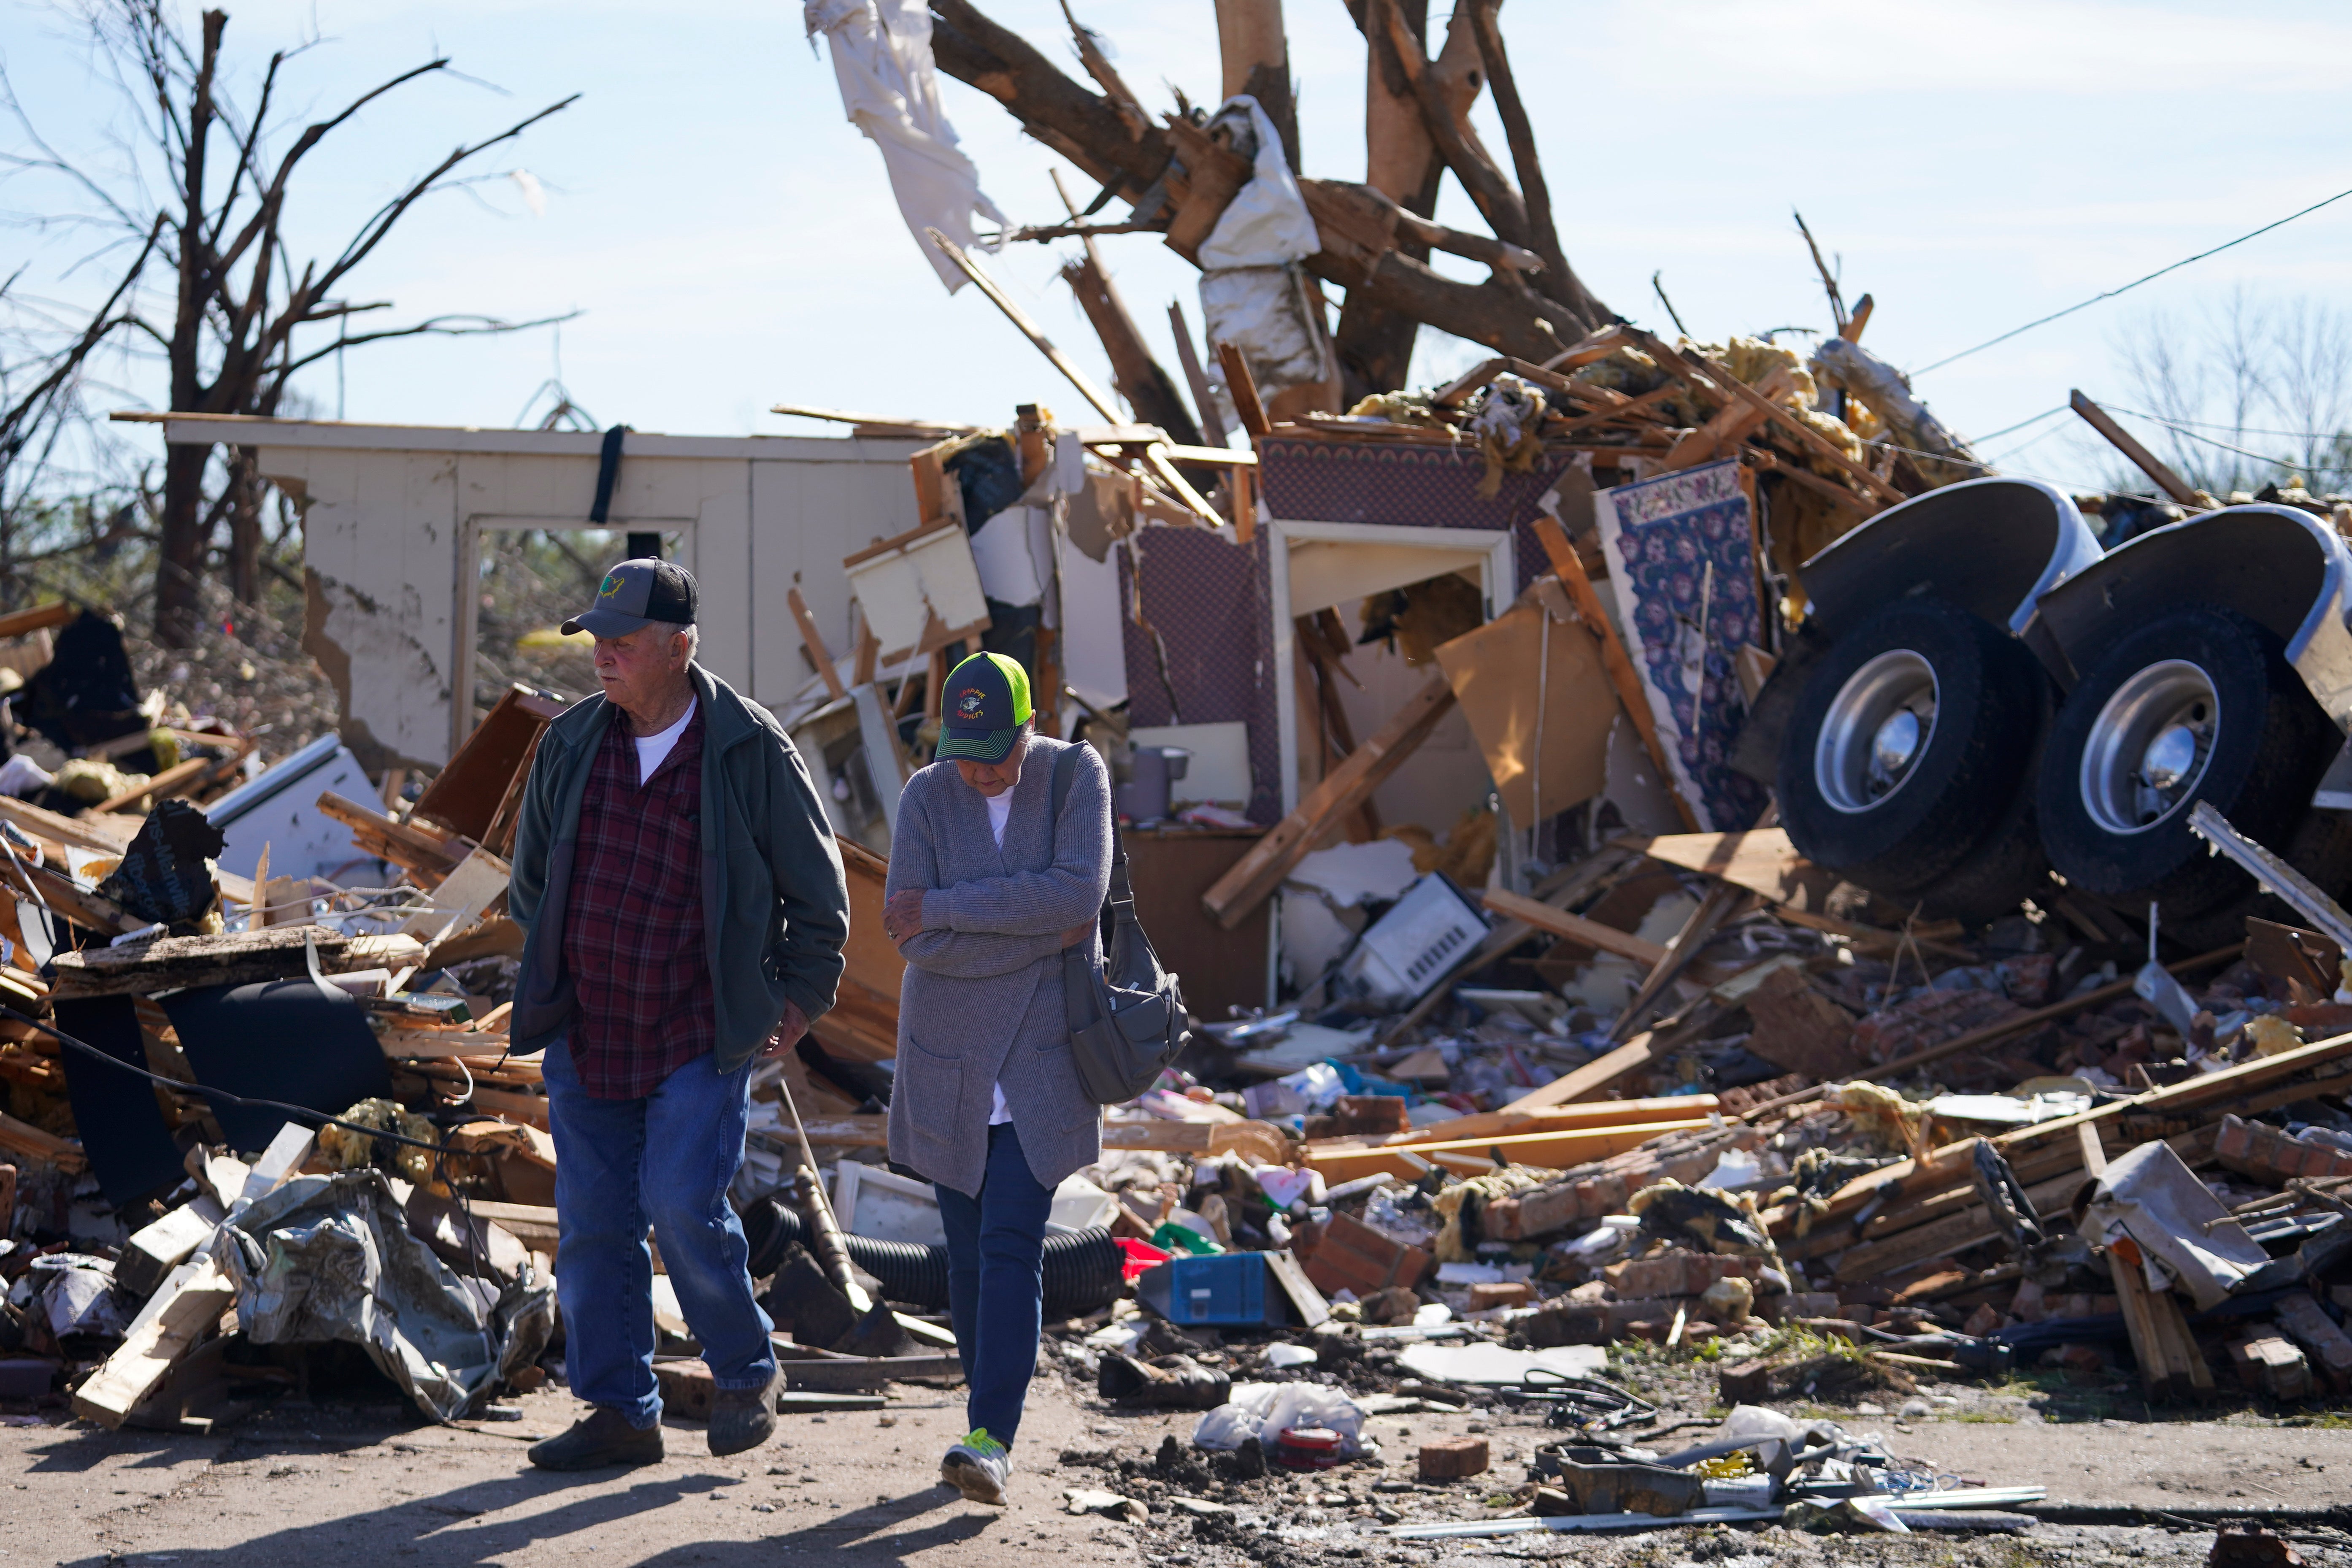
x=775 y=909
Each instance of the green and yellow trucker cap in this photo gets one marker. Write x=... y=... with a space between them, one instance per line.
x=983 y=709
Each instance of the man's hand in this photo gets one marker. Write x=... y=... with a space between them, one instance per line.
x=788 y=1032
x=1077 y=933
x=902 y=914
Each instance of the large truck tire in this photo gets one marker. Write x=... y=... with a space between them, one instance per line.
x=1903 y=765
x=2200 y=704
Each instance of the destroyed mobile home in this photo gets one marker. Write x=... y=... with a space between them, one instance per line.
x=1671 y=860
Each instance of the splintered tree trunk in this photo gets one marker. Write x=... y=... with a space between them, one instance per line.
x=1375 y=344
x=186 y=540
x=1150 y=391
x=1255 y=57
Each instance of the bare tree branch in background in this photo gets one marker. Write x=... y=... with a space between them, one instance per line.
x=228 y=339
x=2246 y=395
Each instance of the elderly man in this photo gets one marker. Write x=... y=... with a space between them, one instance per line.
x=685 y=911
x=988 y=884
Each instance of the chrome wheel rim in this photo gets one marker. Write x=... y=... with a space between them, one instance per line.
x=2149 y=746
x=1878 y=726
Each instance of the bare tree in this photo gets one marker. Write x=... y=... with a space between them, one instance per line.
x=2245 y=393
x=244 y=314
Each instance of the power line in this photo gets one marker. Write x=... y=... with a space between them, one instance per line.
x=2185 y=425
x=2135 y=283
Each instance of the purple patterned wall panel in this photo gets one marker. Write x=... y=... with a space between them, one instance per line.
x=1414 y=483
x=1208 y=601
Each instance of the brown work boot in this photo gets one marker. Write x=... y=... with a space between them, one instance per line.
x=604 y=1439
x=742 y=1418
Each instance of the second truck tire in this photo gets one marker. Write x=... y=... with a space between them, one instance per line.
x=2199 y=705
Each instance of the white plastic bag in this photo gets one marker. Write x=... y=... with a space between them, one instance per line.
x=1266 y=1410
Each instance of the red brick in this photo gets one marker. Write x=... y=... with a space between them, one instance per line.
x=1487 y=1295
x=1352 y=1256
x=1451 y=1458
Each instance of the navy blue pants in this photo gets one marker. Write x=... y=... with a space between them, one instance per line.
x=996 y=1244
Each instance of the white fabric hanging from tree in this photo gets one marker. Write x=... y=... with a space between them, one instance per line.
x=882 y=55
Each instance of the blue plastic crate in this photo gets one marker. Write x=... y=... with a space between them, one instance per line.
x=1228 y=1289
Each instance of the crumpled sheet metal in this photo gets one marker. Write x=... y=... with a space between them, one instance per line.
x=2151 y=1196
x=331 y=1257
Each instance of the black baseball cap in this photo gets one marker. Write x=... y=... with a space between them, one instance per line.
x=985 y=703
x=636 y=594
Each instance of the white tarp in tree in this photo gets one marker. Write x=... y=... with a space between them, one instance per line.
x=1252 y=292
x=882 y=54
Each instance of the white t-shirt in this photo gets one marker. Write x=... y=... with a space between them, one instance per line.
x=999 y=812
x=652 y=749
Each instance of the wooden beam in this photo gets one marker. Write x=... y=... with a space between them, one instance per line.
x=1575 y=928
x=813 y=640
x=1242 y=388
x=1613 y=657
x=2123 y=441
x=410 y=846
x=1213 y=421
x=1254 y=878
x=184 y=1313
x=40 y=618
x=1550 y=1150
x=1580 y=1083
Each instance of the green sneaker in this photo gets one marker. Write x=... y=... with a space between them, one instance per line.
x=978 y=1467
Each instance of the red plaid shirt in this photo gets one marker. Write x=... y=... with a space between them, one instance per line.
x=632 y=938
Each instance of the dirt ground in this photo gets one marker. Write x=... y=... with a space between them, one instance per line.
x=339 y=1480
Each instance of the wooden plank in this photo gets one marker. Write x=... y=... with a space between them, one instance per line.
x=1559 y=1118
x=169 y=963
x=813 y=640
x=2123 y=441
x=186 y=778
x=1257 y=873
x=1547 y=1151
x=1262 y=1141
x=410 y=846
x=860 y=1371
x=61 y=894
x=1580 y=1083
x=1760 y=860
x=401 y=1041
x=1575 y=928
x=186 y=1313
x=40 y=618
x=24 y=1138
x=1613 y=657
x=1243 y=386
x=515 y=1106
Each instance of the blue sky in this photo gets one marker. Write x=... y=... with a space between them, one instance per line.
x=731 y=241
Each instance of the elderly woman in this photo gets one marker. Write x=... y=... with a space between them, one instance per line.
x=988 y=885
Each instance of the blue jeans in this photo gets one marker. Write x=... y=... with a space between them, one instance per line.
x=665 y=1159
x=996 y=1243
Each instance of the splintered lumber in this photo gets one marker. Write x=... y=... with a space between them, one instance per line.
x=187 y=778
x=1254 y=878
x=1569 y=567
x=154 y=1250
x=2147 y=462
x=39 y=619
x=1728 y=386
x=855 y=1131
x=866 y=1372
x=403 y=1041
x=513 y=1105
x=169 y=963
x=182 y=1315
x=1563 y=1118
x=1578 y=1083
x=1760 y=860
x=399 y=842
x=55 y=890
x=1559 y=1151
x=533 y=1224
x=24 y=1138
x=814 y=641
x=1575 y=928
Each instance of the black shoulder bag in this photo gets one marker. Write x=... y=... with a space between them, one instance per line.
x=1126 y=1021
